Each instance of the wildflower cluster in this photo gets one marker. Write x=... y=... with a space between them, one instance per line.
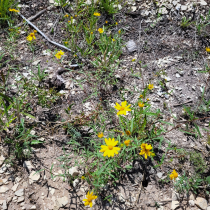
x=13 y=10
x=31 y=36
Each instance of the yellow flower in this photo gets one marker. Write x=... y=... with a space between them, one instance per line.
x=116 y=23
x=58 y=54
x=100 y=135
x=133 y=60
x=121 y=145
x=31 y=36
x=66 y=15
x=123 y=109
x=91 y=32
x=208 y=49
x=75 y=15
x=106 y=21
x=83 y=177
x=150 y=86
x=65 y=42
x=141 y=104
x=113 y=40
x=100 y=30
x=141 y=96
x=75 y=55
x=13 y=10
x=97 y=14
x=173 y=175
x=109 y=149
x=89 y=199
x=147 y=99
x=35 y=31
x=119 y=31
x=69 y=21
x=127 y=142
x=71 y=17
x=128 y=133
x=145 y=150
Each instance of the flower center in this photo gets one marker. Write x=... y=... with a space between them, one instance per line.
x=89 y=199
x=110 y=147
x=122 y=108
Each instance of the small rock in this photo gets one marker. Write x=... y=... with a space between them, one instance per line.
x=183 y=7
x=33 y=207
x=20 y=192
x=121 y=198
x=203 y=3
x=14 y=188
x=191 y=203
x=36 y=62
x=34 y=177
x=3 y=189
x=62 y=201
x=159 y=175
x=4 y=206
x=9 y=199
x=32 y=132
x=46 y=52
x=201 y=203
x=208 y=208
x=50 y=24
x=3 y=169
x=18 y=179
x=133 y=8
x=14 y=198
x=75 y=182
x=174 y=204
x=28 y=165
x=192 y=197
x=2 y=158
x=131 y=46
x=178 y=6
x=163 y=11
x=52 y=190
x=175 y=196
x=20 y=199
x=177 y=75
x=174 y=3
x=74 y=171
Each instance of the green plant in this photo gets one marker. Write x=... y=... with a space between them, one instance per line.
x=40 y=76
x=185 y=22
x=131 y=133
x=111 y=7
x=202 y=23
x=185 y=184
x=20 y=144
x=198 y=162
x=5 y=14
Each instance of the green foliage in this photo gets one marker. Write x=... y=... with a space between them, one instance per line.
x=20 y=143
x=5 y=14
x=202 y=23
x=185 y=184
x=138 y=128
x=198 y=162
x=110 y=7
x=40 y=76
x=185 y=23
